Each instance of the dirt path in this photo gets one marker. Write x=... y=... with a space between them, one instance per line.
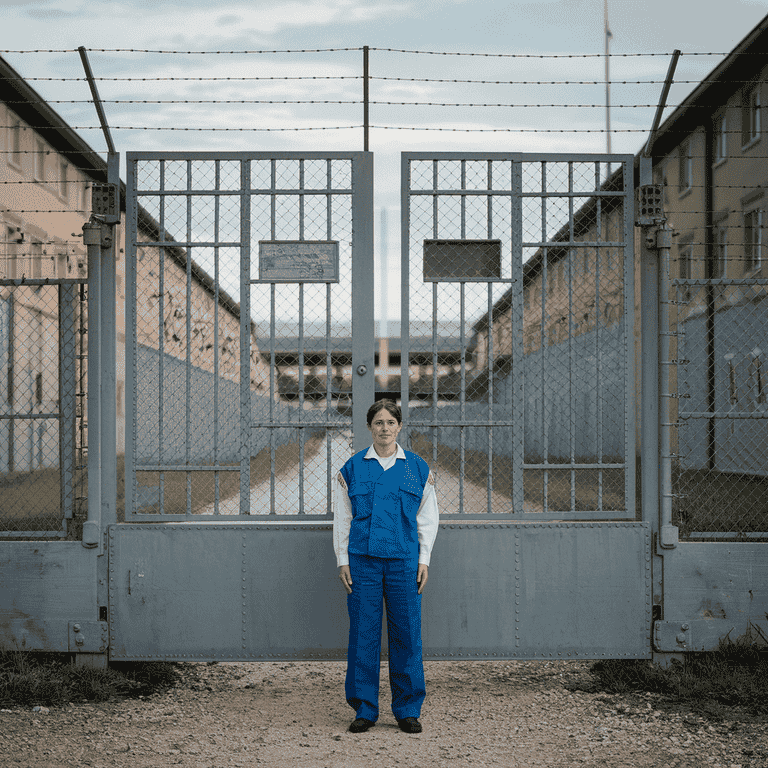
x=286 y=714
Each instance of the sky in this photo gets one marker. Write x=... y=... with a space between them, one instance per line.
x=542 y=41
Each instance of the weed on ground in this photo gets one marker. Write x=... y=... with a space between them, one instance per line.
x=31 y=679
x=711 y=684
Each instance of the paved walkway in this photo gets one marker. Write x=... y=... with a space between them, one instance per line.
x=287 y=485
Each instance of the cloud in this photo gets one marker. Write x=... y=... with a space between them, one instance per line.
x=52 y=14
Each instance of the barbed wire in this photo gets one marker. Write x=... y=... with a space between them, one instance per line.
x=372 y=77
x=373 y=101
x=547 y=82
x=344 y=128
x=197 y=53
x=548 y=55
x=201 y=79
x=372 y=48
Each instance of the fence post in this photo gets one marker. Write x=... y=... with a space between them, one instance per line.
x=365 y=99
x=92 y=525
x=668 y=533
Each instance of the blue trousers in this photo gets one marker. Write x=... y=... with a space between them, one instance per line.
x=394 y=581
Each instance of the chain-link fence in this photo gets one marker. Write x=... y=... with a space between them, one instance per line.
x=43 y=408
x=719 y=322
x=240 y=396
x=518 y=320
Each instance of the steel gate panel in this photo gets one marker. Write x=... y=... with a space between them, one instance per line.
x=539 y=590
x=239 y=370
x=248 y=591
x=517 y=374
x=182 y=591
x=223 y=391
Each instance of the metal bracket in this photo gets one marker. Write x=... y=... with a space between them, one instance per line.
x=104 y=202
x=670 y=537
x=696 y=634
x=649 y=205
x=88 y=636
x=671 y=636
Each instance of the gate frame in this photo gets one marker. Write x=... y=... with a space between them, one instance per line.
x=628 y=315
x=363 y=377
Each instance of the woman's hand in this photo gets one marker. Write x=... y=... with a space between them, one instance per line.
x=421 y=576
x=346 y=578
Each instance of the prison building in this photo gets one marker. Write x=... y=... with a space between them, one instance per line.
x=47 y=174
x=710 y=158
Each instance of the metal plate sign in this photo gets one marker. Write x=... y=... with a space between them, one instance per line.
x=473 y=260
x=299 y=261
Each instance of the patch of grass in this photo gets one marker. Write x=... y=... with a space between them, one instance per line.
x=30 y=679
x=735 y=675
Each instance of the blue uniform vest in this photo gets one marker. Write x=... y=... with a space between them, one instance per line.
x=384 y=505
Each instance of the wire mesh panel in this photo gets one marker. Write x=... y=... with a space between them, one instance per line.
x=43 y=419
x=241 y=313
x=518 y=332
x=718 y=403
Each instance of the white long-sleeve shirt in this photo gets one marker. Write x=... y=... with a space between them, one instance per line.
x=427 y=517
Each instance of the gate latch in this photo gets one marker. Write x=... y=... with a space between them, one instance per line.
x=88 y=636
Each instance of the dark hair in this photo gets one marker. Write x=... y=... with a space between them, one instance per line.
x=390 y=405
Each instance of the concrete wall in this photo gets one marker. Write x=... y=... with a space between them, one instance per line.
x=560 y=390
x=741 y=385
x=201 y=414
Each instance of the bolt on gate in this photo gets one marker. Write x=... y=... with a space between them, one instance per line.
x=251 y=357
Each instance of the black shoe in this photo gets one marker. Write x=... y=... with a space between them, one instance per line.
x=410 y=725
x=361 y=724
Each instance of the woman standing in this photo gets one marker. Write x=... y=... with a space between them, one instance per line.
x=384 y=525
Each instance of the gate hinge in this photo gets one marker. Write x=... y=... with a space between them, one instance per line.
x=691 y=635
x=88 y=636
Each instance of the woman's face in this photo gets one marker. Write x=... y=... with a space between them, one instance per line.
x=385 y=428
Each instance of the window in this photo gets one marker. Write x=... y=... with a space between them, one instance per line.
x=750 y=115
x=753 y=226
x=685 y=174
x=720 y=266
x=721 y=138
x=684 y=269
x=14 y=142
x=63 y=180
x=40 y=161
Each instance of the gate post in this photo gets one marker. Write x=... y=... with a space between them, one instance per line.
x=654 y=324
x=92 y=525
x=362 y=288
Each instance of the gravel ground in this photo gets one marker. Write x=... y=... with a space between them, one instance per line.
x=293 y=714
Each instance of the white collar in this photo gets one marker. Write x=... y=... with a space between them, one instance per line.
x=373 y=455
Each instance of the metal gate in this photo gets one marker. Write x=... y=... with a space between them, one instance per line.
x=252 y=362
